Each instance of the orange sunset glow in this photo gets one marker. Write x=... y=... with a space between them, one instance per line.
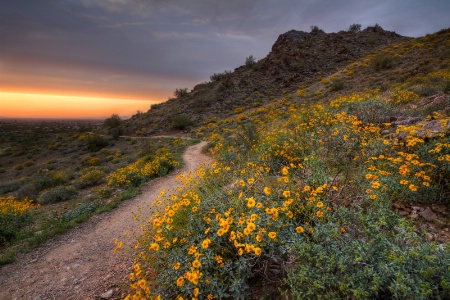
x=29 y=105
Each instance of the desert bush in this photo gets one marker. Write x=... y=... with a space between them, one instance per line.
x=10 y=186
x=181 y=122
x=91 y=177
x=94 y=161
x=83 y=209
x=57 y=194
x=250 y=61
x=336 y=84
x=143 y=170
x=14 y=215
x=155 y=106
x=104 y=192
x=377 y=255
x=96 y=142
x=180 y=92
x=219 y=76
x=112 y=122
x=383 y=62
x=314 y=28
x=355 y=28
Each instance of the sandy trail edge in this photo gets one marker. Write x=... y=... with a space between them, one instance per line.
x=80 y=264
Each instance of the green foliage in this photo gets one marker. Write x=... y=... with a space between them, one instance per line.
x=14 y=215
x=112 y=122
x=96 y=142
x=181 y=122
x=91 y=177
x=376 y=256
x=383 y=62
x=250 y=61
x=83 y=209
x=315 y=29
x=219 y=76
x=336 y=84
x=156 y=106
x=180 y=92
x=355 y=28
x=57 y=194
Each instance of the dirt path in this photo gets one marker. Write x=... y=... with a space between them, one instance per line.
x=80 y=264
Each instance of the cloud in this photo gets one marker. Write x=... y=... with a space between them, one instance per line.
x=154 y=45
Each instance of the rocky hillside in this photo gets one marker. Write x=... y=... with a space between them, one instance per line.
x=297 y=59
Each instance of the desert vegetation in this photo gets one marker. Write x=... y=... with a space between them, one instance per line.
x=57 y=174
x=339 y=190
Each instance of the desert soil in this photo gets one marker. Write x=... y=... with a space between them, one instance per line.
x=80 y=264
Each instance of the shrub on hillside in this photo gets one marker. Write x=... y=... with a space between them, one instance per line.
x=57 y=194
x=14 y=215
x=96 y=142
x=250 y=61
x=355 y=28
x=219 y=76
x=91 y=177
x=181 y=122
x=180 y=92
x=376 y=256
x=112 y=122
x=383 y=62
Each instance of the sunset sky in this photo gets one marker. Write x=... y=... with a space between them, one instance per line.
x=92 y=58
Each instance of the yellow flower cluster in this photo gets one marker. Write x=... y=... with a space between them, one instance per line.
x=10 y=206
x=142 y=170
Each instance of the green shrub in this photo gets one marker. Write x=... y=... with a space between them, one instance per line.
x=371 y=110
x=14 y=215
x=337 y=84
x=96 y=142
x=10 y=186
x=219 y=76
x=181 y=122
x=383 y=62
x=376 y=256
x=57 y=194
x=79 y=211
x=181 y=92
x=92 y=177
x=250 y=61
x=112 y=122
x=355 y=28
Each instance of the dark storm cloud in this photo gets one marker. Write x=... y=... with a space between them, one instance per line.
x=149 y=45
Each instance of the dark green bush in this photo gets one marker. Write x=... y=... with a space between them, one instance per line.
x=96 y=142
x=383 y=62
x=10 y=226
x=181 y=92
x=57 y=194
x=181 y=122
x=219 y=76
x=355 y=28
x=250 y=61
x=337 y=84
x=10 y=186
x=91 y=177
x=80 y=210
x=371 y=111
x=378 y=257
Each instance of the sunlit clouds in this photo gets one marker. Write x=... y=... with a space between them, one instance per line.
x=59 y=106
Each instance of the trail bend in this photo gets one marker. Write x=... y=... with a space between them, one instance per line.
x=80 y=264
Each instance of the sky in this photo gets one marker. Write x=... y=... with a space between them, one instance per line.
x=93 y=58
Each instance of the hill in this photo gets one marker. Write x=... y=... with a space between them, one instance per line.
x=297 y=58
x=334 y=187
